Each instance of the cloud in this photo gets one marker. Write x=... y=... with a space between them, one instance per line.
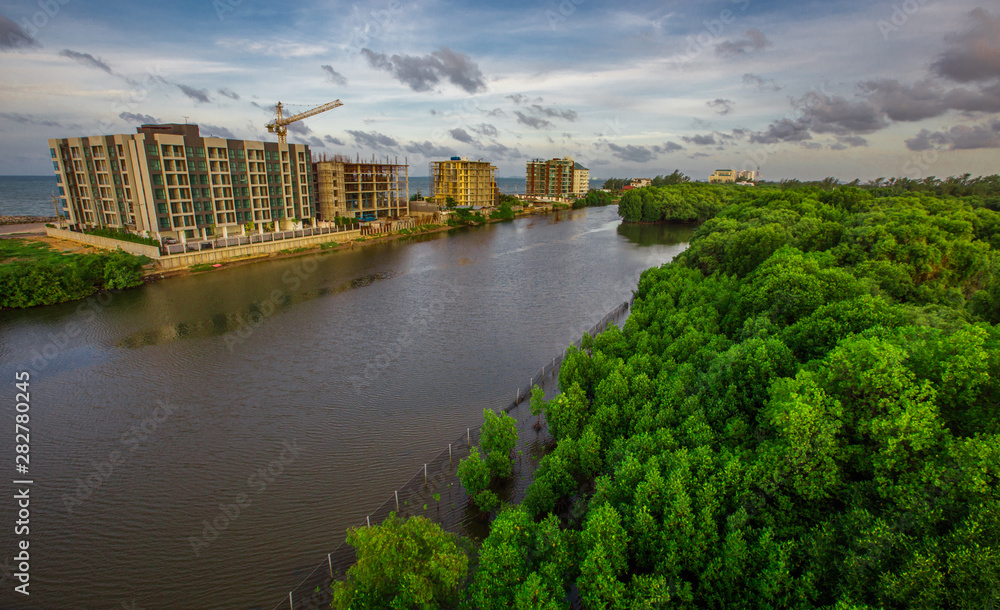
x=141 y=119
x=974 y=54
x=461 y=135
x=87 y=59
x=754 y=41
x=277 y=48
x=13 y=37
x=836 y=115
x=852 y=141
x=784 y=130
x=501 y=151
x=332 y=140
x=300 y=128
x=335 y=77
x=198 y=95
x=216 y=131
x=901 y=102
x=517 y=98
x=755 y=80
x=959 y=137
x=28 y=119
x=721 y=106
x=423 y=73
x=485 y=129
x=642 y=154
x=531 y=121
x=229 y=93
x=817 y=145
x=700 y=139
x=428 y=149
x=373 y=140
x=569 y=115
x=834 y=146
x=314 y=142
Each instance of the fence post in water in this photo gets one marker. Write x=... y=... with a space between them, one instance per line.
x=330 y=563
x=425 y=474
x=397 y=500
x=468 y=438
x=449 y=453
x=369 y=520
x=290 y=604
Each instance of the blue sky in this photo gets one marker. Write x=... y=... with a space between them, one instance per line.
x=804 y=90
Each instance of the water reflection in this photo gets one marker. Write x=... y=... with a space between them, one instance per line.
x=656 y=234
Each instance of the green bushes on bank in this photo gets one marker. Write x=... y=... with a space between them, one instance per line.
x=33 y=274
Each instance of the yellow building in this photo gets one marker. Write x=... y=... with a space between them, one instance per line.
x=720 y=176
x=469 y=183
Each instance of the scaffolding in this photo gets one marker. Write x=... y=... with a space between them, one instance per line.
x=360 y=189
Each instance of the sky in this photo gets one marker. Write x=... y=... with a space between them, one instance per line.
x=804 y=90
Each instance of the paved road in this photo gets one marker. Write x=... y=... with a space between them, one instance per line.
x=37 y=228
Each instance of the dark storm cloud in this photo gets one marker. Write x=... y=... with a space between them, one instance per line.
x=754 y=41
x=784 y=130
x=974 y=54
x=335 y=77
x=959 y=137
x=429 y=149
x=700 y=139
x=373 y=140
x=141 y=119
x=216 y=131
x=28 y=119
x=642 y=154
x=836 y=115
x=87 y=59
x=198 y=95
x=721 y=106
x=531 y=121
x=300 y=128
x=423 y=73
x=13 y=37
x=461 y=135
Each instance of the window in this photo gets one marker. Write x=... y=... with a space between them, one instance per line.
x=164 y=223
x=152 y=150
x=158 y=179
x=154 y=164
x=52 y=151
x=161 y=208
x=159 y=194
x=189 y=151
x=200 y=152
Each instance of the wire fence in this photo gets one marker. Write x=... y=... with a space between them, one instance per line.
x=435 y=491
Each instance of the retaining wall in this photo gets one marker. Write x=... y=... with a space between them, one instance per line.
x=216 y=255
x=104 y=242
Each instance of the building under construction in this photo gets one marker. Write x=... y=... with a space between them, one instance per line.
x=365 y=190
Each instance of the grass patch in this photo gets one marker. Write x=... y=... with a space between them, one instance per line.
x=296 y=250
x=330 y=245
x=200 y=267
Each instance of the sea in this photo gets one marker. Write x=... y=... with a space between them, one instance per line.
x=32 y=195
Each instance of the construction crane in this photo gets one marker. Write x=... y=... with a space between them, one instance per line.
x=280 y=124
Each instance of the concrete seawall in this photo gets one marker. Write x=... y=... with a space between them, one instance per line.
x=213 y=255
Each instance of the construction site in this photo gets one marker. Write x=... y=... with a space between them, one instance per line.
x=364 y=190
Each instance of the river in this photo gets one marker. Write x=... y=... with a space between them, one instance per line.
x=281 y=401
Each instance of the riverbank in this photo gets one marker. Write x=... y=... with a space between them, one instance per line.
x=20 y=220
